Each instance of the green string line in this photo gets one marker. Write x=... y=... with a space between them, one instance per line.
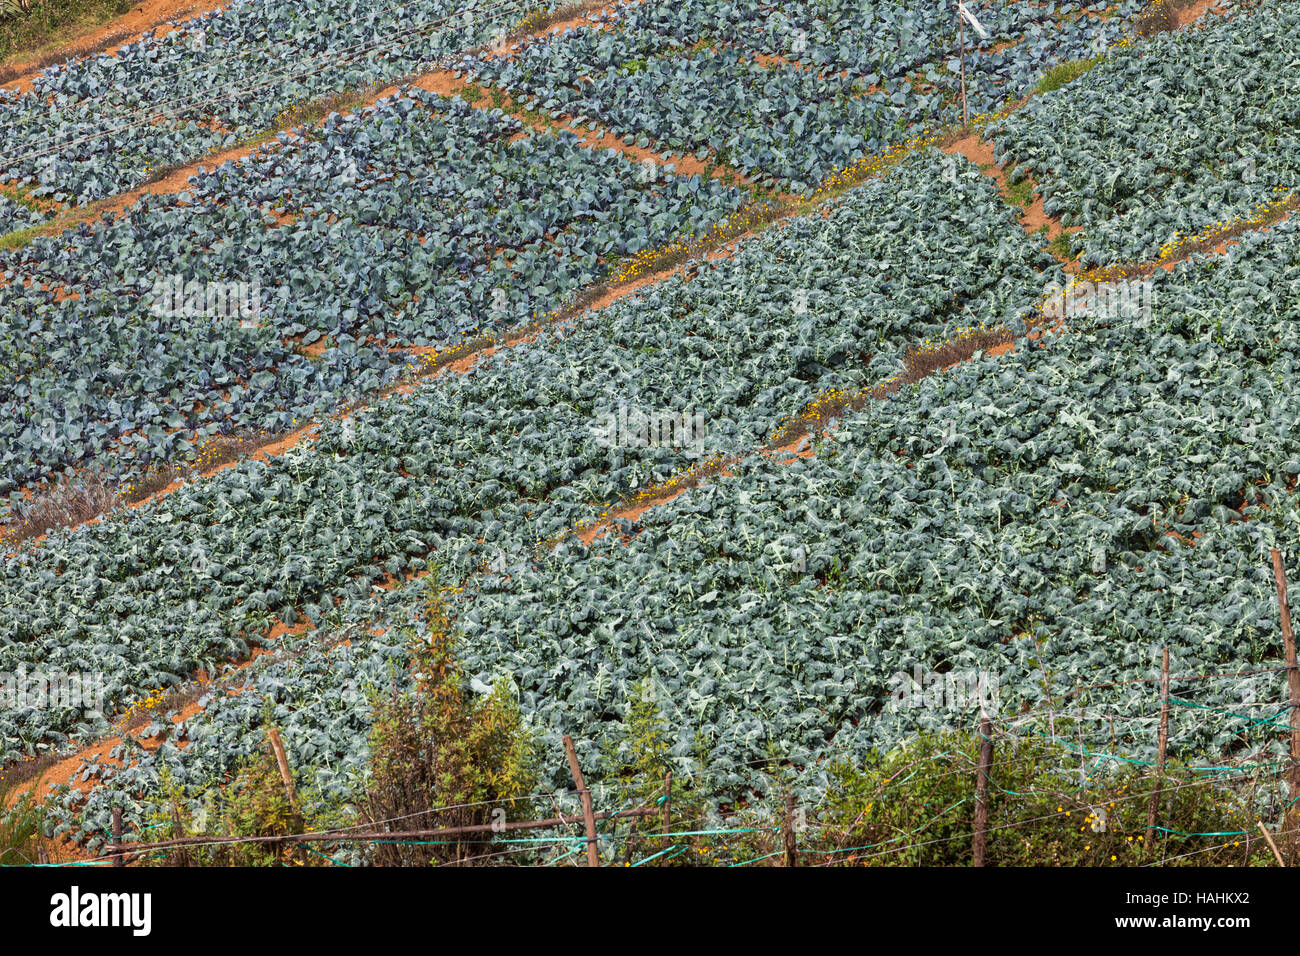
x=565 y=855
x=1085 y=752
x=1182 y=833
x=324 y=857
x=757 y=859
x=37 y=866
x=565 y=839
x=656 y=856
x=677 y=833
x=1254 y=720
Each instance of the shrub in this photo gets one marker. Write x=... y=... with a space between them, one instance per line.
x=252 y=803
x=22 y=827
x=915 y=807
x=441 y=757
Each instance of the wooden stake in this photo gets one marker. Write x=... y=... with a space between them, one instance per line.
x=1271 y=845
x=1162 y=741
x=982 y=790
x=283 y=761
x=791 y=847
x=588 y=813
x=668 y=799
x=183 y=856
x=961 y=38
x=118 y=858
x=1292 y=673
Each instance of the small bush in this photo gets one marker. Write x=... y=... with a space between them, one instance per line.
x=915 y=807
x=1061 y=246
x=441 y=757
x=252 y=802
x=22 y=827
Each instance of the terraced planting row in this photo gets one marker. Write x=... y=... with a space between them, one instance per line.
x=1053 y=517
x=101 y=125
x=410 y=224
x=684 y=76
x=471 y=466
x=394 y=275
x=1192 y=128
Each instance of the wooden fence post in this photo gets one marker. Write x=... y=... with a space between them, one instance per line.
x=182 y=857
x=282 y=760
x=791 y=847
x=588 y=813
x=118 y=858
x=1292 y=673
x=1162 y=741
x=982 y=790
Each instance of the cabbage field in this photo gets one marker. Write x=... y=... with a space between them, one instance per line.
x=1019 y=507
x=509 y=455
x=99 y=125
x=377 y=257
x=682 y=75
x=762 y=218
x=1167 y=138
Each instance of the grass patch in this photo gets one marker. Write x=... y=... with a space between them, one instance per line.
x=20 y=237
x=312 y=111
x=47 y=33
x=1065 y=73
x=49 y=21
x=1021 y=193
x=1061 y=246
x=23 y=197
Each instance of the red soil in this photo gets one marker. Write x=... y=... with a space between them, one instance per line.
x=1033 y=217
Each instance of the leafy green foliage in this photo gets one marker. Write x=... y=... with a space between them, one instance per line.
x=1167 y=136
x=415 y=222
x=852 y=79
x=22 y=826
x=1065 y=73
x=915 y=806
